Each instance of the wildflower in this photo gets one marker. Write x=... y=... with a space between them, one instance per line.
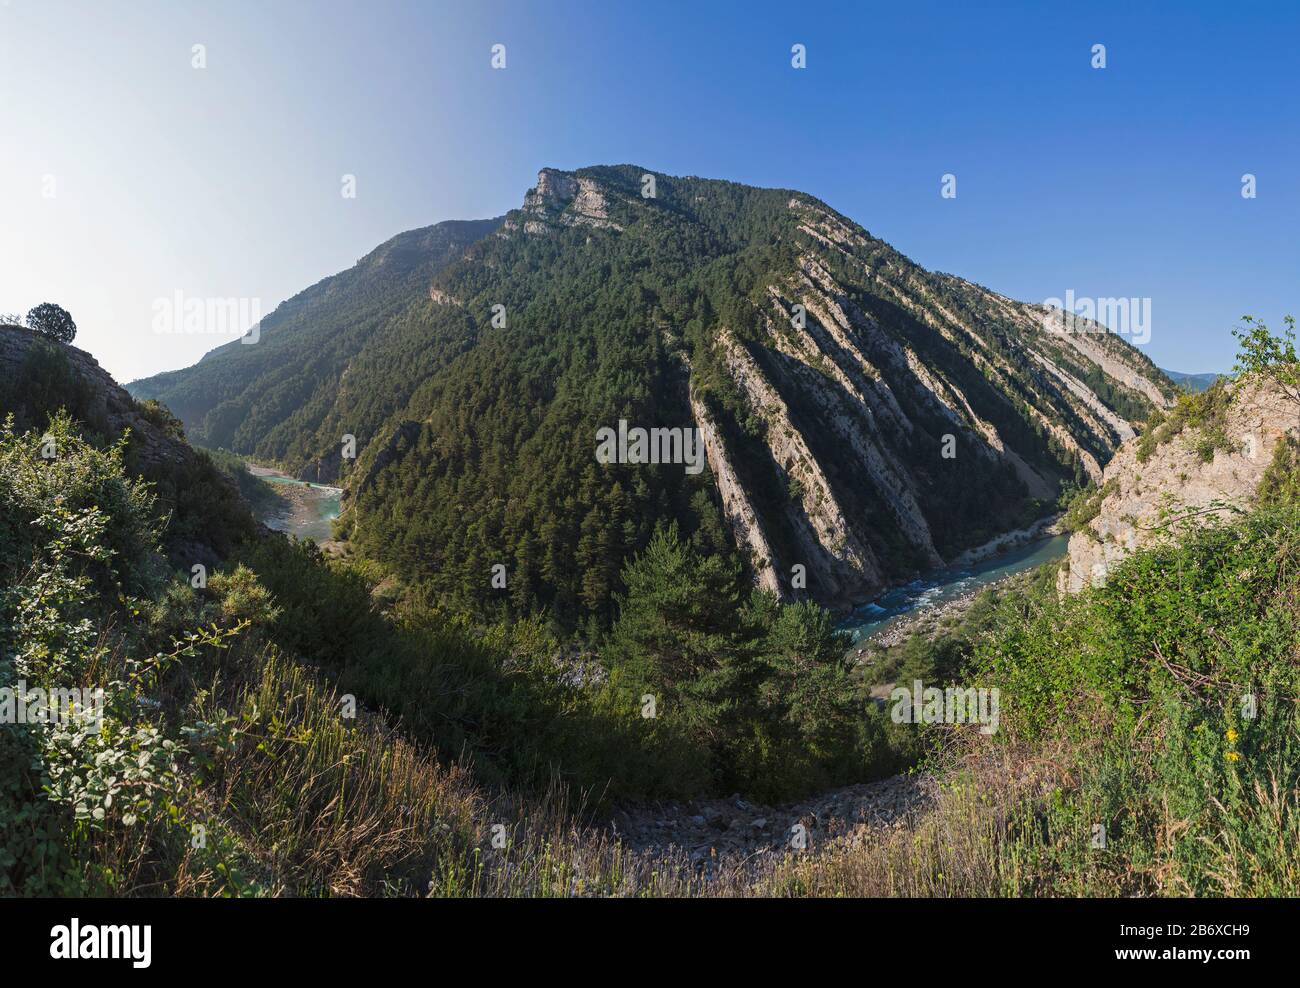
x=1233 y=756
x=1231 y=735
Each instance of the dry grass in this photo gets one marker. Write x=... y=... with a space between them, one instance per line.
x=307 y=805
x=304 y=804
x=960 y=845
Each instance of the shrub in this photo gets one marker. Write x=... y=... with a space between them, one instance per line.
x=1083 y=505
x=1205 y=411
x=88 y=799
x=1175 y=687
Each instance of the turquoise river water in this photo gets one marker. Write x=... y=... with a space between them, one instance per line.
x=942 y=585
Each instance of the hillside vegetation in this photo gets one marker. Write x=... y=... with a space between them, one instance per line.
x=1161 y=707
x=1148 y=740
x=216 y=693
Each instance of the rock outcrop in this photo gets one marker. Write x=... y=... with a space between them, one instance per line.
x=741 y=514
x=561 y=199
x=1146 y=494
x=204 y=510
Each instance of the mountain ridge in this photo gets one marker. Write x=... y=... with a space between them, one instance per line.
x=1192 y=382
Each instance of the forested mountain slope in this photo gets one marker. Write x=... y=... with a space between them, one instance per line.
x=285 y=396
x=863 y=418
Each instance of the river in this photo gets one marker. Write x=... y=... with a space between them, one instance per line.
x=943 y=585
x=308 y=509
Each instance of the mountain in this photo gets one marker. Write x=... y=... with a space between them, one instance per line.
x=222 y=697
x=1191 y=382
x=863 y=419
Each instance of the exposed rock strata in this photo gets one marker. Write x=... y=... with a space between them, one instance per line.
x=1148 y=499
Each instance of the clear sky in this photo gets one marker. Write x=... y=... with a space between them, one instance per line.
x=127 y=175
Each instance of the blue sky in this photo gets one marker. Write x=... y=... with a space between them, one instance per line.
x=225 y=181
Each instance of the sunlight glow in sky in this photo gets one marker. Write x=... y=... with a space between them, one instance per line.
x=225 y=181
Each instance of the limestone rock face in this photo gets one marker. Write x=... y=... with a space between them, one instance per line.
x=827 y=543
x=847 y=400
x=1147 y=499
x=565 y=200
x=741 y=514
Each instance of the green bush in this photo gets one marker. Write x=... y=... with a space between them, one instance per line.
x=1084 y=504
x=1175 y=685
x=85 y=798
x=1205 y=411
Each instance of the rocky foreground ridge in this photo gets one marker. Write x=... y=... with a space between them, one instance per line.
x=104 y=404
x=1202 y=471
x=39 y=376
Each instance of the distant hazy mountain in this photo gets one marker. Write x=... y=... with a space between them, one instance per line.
x=1192 y=382
x=863 y=418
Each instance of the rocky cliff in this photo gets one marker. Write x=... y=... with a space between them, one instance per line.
x=202 y=511
x=1192 y=466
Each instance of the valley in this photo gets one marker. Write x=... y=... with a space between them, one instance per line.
x=886 y=618
x=713 y=451
x=539 y=658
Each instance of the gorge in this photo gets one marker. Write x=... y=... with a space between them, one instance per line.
x=863 y=419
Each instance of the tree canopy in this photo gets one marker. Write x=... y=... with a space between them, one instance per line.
x=53 y=321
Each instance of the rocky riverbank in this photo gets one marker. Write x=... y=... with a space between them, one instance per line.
x=1041 y=529
x=923 y=621
x=949 y=607
x=301 y=508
